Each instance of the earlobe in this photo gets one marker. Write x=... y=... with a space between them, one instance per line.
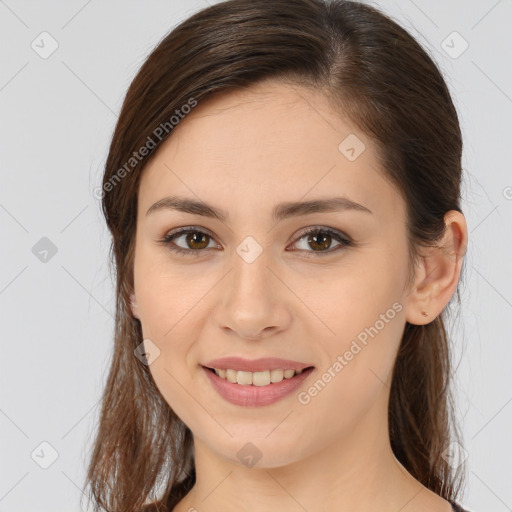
x=439 y=272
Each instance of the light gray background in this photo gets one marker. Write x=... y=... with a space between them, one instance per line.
x=57 y=116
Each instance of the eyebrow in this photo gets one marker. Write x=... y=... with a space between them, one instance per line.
x=281 y=211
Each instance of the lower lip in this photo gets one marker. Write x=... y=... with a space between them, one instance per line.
x=256 y=396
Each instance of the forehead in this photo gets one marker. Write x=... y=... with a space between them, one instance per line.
x=271 y=141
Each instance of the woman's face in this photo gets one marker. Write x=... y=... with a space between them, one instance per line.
x=253 y=286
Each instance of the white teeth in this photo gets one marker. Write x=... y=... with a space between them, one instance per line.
x=255 y=378
x=276 y=375
x=244 y=378
x=261 y=378
x=231 y=375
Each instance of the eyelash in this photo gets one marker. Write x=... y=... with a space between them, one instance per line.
x=344 y=240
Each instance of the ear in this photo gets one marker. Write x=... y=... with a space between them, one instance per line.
x=133 y=305
x=438 y=273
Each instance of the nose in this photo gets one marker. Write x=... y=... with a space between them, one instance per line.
x=253 y=302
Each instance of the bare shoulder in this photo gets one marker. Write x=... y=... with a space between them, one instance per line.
x=432 y=502
x=423 y=499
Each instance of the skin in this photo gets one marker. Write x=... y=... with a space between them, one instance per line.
x=245 y=152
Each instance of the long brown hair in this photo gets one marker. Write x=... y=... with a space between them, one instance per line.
x=374 y=73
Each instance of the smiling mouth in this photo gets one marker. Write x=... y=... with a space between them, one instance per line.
x=263 y=378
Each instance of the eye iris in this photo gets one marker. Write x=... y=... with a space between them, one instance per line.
x=313 y=239
x=193 y=237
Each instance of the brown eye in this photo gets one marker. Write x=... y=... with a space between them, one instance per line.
x=195 y=241
x=320 y=241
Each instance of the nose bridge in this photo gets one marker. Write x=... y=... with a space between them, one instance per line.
x=251 y=300
x=250 y=279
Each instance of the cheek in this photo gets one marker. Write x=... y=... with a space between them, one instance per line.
x=356 y=375
x=169 y=318
x=168 y=295
x=355 y=297
x=366 y=320
x=171 y=306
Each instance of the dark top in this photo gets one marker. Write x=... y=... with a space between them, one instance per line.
x=456 y=507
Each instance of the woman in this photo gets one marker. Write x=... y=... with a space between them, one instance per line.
x=283 y=194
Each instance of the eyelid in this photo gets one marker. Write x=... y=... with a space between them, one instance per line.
x=189 y=229
x=324 y=229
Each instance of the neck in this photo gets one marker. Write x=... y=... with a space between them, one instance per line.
x=358 y=473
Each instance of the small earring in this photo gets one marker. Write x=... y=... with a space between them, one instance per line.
x=424 y=314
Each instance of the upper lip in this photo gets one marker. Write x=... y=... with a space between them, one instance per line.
x=255 y=365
